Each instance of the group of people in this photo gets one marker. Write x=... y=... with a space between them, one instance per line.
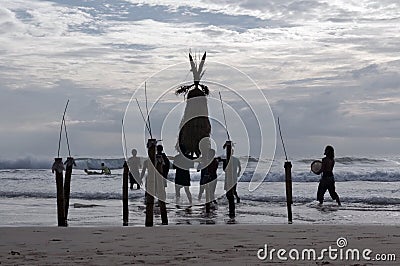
x=207 y=166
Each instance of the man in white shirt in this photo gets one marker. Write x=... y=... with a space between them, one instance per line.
x=232 y=172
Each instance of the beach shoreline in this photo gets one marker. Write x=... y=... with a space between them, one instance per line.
x=182 y=245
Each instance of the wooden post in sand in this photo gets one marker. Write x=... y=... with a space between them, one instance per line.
x=288 y=181
x=58 y=169
x=228 y=146
x=151 y=152
x=67 y=185
x=125 y=210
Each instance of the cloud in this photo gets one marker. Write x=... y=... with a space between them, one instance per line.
x=340 y=114
x=329 y=69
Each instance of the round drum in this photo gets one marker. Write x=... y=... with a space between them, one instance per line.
x=316 y=167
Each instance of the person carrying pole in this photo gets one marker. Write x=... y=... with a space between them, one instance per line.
x=155 y=183
x=232 y=170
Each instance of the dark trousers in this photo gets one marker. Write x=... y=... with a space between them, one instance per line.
x=230 y=195
x=235 y=193
x=326 y=183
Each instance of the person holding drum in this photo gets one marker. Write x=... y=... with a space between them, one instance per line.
x=327 y=181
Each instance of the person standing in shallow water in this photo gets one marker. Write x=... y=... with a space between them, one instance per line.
x=182 y=163
x=327 y=181
x=134 y=164
x=208 y=179
x=232 y=170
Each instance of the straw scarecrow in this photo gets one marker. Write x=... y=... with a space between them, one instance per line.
x=195 y=124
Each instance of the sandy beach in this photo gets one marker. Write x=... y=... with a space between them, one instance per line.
x=184 y=245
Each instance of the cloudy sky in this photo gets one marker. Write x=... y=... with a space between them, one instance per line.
x=329 y=69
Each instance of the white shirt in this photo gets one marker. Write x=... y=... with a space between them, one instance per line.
x=134 y=165
x=155 y=182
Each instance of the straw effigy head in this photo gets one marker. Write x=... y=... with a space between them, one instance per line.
x=197 y=70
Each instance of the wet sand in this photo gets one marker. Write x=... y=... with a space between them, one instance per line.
x=184 y=245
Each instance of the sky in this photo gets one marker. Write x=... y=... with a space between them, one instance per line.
x=330 y=70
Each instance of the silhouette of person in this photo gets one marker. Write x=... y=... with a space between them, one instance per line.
x=182 y=164
x=156 y=183
x=232 y=172
x=239 y=170
x=134 y=164
x=165 y=163
x=327 y=181
x=105 y=170
x=209 y=174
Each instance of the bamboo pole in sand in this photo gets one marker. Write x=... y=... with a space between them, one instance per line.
x=67 y=185
x=231 y=201
x=58 y=168
x=288 y=181
x=125 y=209
x=151 y=152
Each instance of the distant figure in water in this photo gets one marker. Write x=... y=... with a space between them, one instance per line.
x=134 y=165
x=327 y=181
x=105 y=170
x=182 y=163
x=92 y=172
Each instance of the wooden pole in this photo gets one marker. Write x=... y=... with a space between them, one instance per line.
x=151 y=152
x=288 y=181
x=58 y=169
x=67 y=185
x=231 y=199
x=125 y=210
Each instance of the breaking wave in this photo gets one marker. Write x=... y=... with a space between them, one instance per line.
x=377 y=175
x=282 y=199
x=349 y=160
x=25 y=163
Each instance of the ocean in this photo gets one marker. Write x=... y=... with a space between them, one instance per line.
x=369 y=191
